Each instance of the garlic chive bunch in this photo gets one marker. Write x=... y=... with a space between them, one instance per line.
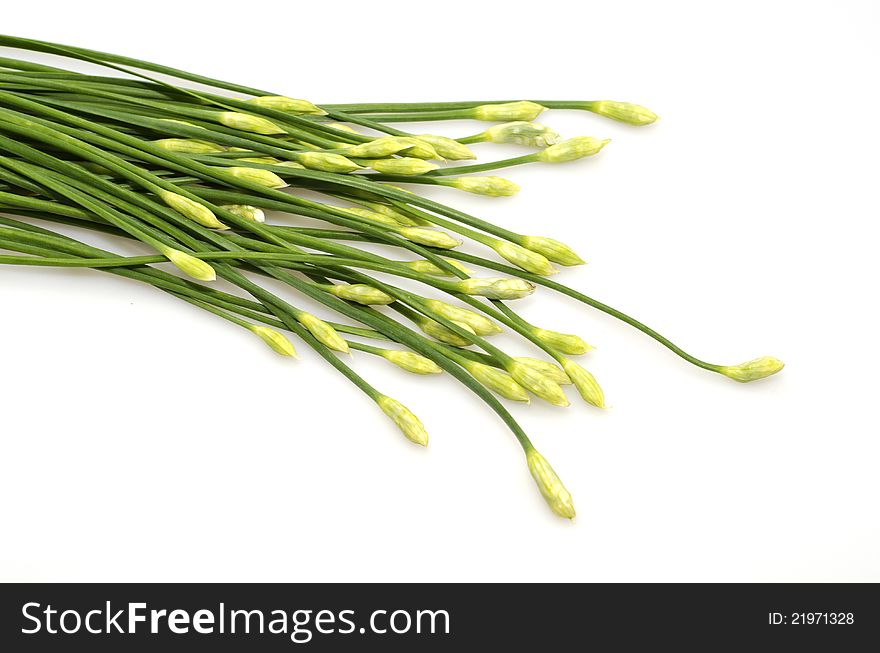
x=213 y=182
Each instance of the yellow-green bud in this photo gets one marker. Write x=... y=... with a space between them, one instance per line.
x=392 y=213
x=411 y=361
x=341 y=127
x=378 y=147
x=522 y=110
x=429 y=237
x=441 y=333
x=552 y=489
x=564 y=343
x=277 y=341
x=448 y=148
x=190 y=265
x=490 y=185
x=545 y=367
x=537 y=383
x=525 y=258
x=753 y=370
x=188 y=146
x=419 y=149
x=531 y=134
x=585 y=383
x=327 y=162
x=246 y=211
x=552 y=249
x=282 y=103
x=371 y=215
x=497 y=380
x=248 y=123
x=496 y=287
x=428 y=267
x=402 y=166
x=360 y=293
x=193 y=210
x=323 y=332
x=572 y=149
x=627 y=112
x=479 y=324
x=407 y=422
x=265 y=178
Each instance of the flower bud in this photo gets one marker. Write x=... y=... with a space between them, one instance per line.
x=341 y=126
x=479 y=324
x=419 y=149
x=265 y=178
x=246 y=211
x=188 y=146
x=441 y=333
x=193 y=210
x=391 y=212
x=378 y=147
x=360 y=293
x=552 y=489
x=407 y=422
x=428 y=267
x=277 y=341
x=190 y=265
x=545 y=367
x=448 y=148
x=496 y=287
x=585 y=383
x=572 y=149
x=531 y=134
x=753 y=370
x=281 y=103
x=632 y=114
x=537 y=383
x=564 y=343
x=411 y=361
x=291 y=164
x=497 y=381
x=552 y=249
x=429 y=237
x=323 y=332
x=327 y=162
x=248 y=123
x=523 y=110
x=525 y=258
x=491 y=186
x=402 y=166
x=371 y=215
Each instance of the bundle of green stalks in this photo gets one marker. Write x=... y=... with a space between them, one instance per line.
x=193 y=176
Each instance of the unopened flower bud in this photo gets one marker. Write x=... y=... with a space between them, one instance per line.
x=371 y=215
x=193 y=210
x=441 y=333
x=524 y=258
x=586 y=384
x=327 y=162
x=428 y=267
x=479 y=324
x=491 y=186
x=282 y=103
x=249 y=123
x=419 y=149
x=531 y=134
x=188 y=146
x=361 y=294
x=407 y=422
x=522 y=110
x=545 y=367
x=246 y=211
x=190 y=265
x=429 y=237
x=323 y=332
x=277 y=341
x=402 y=166
x=496 y=287
x=537 y=383
x=753 y=370
x=411 y=361
x=564 y=343
x=378 y=147
x=552 y=489
x=627 y=112
x=497 y=380
x=265 y=178
x=552 y=249
x=448 y=148
x=572 y=149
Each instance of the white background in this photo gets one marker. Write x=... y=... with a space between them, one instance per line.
x=143 y=440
